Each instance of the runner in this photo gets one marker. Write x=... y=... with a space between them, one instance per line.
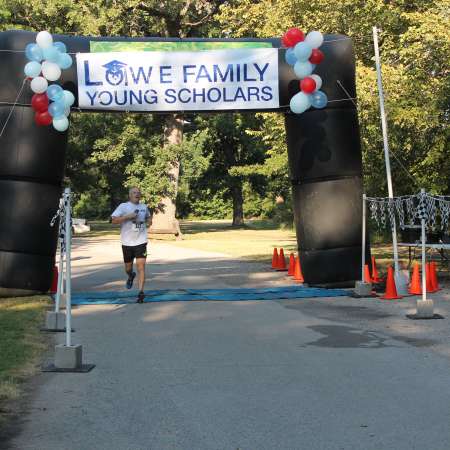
x=133 y=218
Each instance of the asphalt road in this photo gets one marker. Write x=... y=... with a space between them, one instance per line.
x=313 y=374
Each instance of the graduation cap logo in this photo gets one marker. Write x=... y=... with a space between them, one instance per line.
x=115 y=72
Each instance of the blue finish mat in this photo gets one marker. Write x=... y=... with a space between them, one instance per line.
x=184 y=295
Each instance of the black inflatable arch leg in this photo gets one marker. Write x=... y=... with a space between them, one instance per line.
x=31 y=171
x=325 y=167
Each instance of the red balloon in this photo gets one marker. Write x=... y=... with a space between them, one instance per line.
x=292 y=37
x=308 y=85
x=39 y=102
x=284 y=41
x=316 y=56
x=43 y=118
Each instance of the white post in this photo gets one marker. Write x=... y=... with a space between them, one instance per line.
x=68 y=236
x=385 y=143
x=363 y=251
x=424 y=278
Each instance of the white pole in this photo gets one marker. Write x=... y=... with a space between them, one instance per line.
x=363 y=256
x=68 y=236
x=385 y=142
x=424 y=279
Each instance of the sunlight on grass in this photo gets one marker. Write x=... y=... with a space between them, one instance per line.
x=255 y=240
x=21 y=343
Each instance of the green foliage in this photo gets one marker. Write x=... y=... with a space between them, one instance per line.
x=210 y=205
x=415 y=50
x=226 y=155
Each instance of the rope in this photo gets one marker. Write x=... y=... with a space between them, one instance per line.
x=12 y=107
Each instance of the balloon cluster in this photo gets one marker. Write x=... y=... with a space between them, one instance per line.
x=303 y=54
x=46 y=59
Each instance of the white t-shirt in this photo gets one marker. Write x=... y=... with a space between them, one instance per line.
x=133 y=232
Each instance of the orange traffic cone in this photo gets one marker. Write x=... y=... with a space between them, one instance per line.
x=298 y=276
x=415 y=287
x=281 y=261
x=275 y=258
x=434 y=278
x=430 y=287
x=54 y=286
x=291 y=269
x=375 y=277
x=391 y=290
x=367 y=278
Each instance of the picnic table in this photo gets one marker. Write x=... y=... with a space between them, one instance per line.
x=443 y=249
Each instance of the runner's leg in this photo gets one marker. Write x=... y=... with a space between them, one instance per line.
x=140 y=264
x=128 y=258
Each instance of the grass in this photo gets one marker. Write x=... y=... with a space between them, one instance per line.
x=21 y=343
x=254 y=240
x=101 y=228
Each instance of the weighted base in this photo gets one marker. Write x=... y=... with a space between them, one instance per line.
x=84 y=368
x=68 y=357
x=425 y=309
x=416 y=317
x=55 y=321
x=363 y=289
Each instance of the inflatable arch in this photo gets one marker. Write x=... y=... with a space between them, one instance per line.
x=323 y=150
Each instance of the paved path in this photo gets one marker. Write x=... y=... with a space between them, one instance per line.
x=326 y=374
x=97 y=265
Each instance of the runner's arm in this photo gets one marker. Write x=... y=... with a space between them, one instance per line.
x=120 y=219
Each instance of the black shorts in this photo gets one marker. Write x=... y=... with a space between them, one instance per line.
x=135 y=251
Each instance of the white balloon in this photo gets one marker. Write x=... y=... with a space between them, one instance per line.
x=314 y=39
x=300 y=103
x=303 y=69
x=44 y=39
x=318 y=81
x=61 y=124
x=51 y=71
x=39 y=85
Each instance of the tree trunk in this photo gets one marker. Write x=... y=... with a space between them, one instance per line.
x=165 y=219
x=238 y=204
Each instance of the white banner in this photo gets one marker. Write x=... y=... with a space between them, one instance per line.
x=179 y=81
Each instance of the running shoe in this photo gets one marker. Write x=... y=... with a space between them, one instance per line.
x=141 y=297
x=129 y=283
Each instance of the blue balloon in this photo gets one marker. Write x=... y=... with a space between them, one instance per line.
x=68 y=99
x=64 y=60
x=290 y=57
x=61 y=123
x=32 y=69
x=303 y=51
x=303 y=69
x=55 y=92
x=56 y=109
x=300 y=103
x=51 y=54
x=34 y=53
x=319 y=99
x=60 y=46
x=67 y=111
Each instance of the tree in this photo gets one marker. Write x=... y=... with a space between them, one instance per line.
x=230 y=146
x=130 y=18
x=415 y=50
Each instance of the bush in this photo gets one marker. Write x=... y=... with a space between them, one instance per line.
x=92 y=208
